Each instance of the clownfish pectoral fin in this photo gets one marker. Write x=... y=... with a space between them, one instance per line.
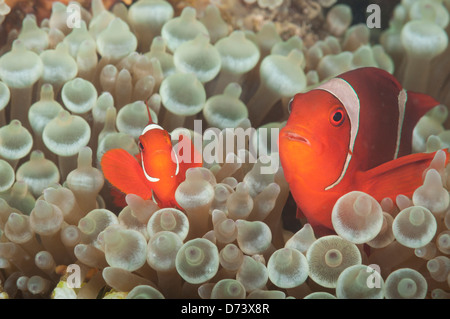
x=123 y=171
x=400 y=176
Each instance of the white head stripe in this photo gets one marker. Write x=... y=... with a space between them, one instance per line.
x=151 y=127
x=150 y=178
x=402 y=98
x=345 y=93
x=146 y=129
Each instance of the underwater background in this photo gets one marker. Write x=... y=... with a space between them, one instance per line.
x=75 y=81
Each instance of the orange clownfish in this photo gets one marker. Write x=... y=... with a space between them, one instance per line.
x=353 y=132
x=159 y=172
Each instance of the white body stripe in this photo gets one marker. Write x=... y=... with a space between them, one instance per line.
x=178 y=164
x=345 y=93
x=402 y=98
x=155 y=179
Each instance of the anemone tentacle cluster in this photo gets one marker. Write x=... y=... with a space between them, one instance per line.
x=69 y=93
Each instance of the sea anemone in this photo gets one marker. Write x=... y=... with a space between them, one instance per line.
x=69 y=95
x=405 y=283
x=355 y=283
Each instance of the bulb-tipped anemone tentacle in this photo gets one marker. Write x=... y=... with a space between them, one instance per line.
x=195 y=196
x=302 y=239
x=360 y=281
x=213 y=21
x=124 y=248
x=320 y=295
x=85 y=181
x=228 y=289
x=64 y=135
x=328 y=257
x=432 y=194
x=182 y=95
x=357 y=217
x=280 y=76
x=183 y=28
x=438 y=268
x=231 y=258
x=199 y=57
x=147 y=18
x=414 y=227
x=15 y=142
x=38 y=173
x=253 y=237
x=94 y=223
x=20 y=198
x=443 y=242
x=197 y=261
x=18 y=230
x=8 y=176
x=132 y=119
x=339 y=19
x=40 y=113
x=288 y=268
x=144 y=292
x=168 y=219
x=386 y=235
x=79 y=96
x=34 y=38
x=252 y=274
x=5 y=95
x=226 y=110
x=59 y=66
x=116 y=41
x=239 y=55
x=20 y=69
x=405 y=283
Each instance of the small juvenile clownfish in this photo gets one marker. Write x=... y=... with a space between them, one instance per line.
x=159 y=172
x=353 y=132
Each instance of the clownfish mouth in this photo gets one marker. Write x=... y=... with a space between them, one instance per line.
x=296 y=137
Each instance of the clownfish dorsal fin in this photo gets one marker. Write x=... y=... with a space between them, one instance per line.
x=150 y=121
x=417 y=104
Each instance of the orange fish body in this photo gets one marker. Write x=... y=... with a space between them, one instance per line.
x=352 y=132
x=157 y=175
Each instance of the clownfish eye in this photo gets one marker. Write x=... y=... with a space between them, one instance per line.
x=290 y=105
x=337 y=117
x=141 y=147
